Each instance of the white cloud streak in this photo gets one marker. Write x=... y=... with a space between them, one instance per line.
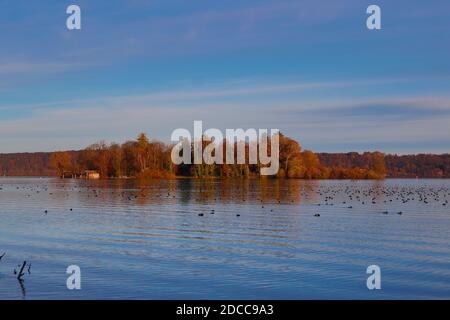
x=75 y=124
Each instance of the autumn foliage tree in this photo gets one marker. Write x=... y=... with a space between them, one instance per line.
x=61 y=162
x=121 y=160
x=147 y=158
x=136 y=158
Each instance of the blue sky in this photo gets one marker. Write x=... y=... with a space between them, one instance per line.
x=309 y=68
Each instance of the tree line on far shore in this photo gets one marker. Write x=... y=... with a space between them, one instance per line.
x=145 y=158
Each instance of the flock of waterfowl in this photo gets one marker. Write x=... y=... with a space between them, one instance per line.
x=347 y=196
x=385 y=195
x=380 y=198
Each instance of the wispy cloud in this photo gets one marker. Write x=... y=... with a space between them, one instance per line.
x=258 y=91
x=319 y=124
x=33 y=68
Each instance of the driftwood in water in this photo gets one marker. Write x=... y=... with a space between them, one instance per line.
x=21 y=273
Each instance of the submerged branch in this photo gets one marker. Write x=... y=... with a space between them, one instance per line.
x=21 y=273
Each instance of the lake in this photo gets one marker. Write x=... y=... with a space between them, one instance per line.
x=232 y=239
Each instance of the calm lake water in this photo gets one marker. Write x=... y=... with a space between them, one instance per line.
x=162 y=240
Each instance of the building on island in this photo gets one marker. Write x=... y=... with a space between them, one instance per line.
x=91 y=174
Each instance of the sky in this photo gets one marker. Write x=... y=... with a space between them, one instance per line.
x=309 y=68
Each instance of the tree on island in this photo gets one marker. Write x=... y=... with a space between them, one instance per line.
x=151 y=159
x=61 y=161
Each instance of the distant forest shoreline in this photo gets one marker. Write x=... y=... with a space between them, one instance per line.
x=142 y=158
